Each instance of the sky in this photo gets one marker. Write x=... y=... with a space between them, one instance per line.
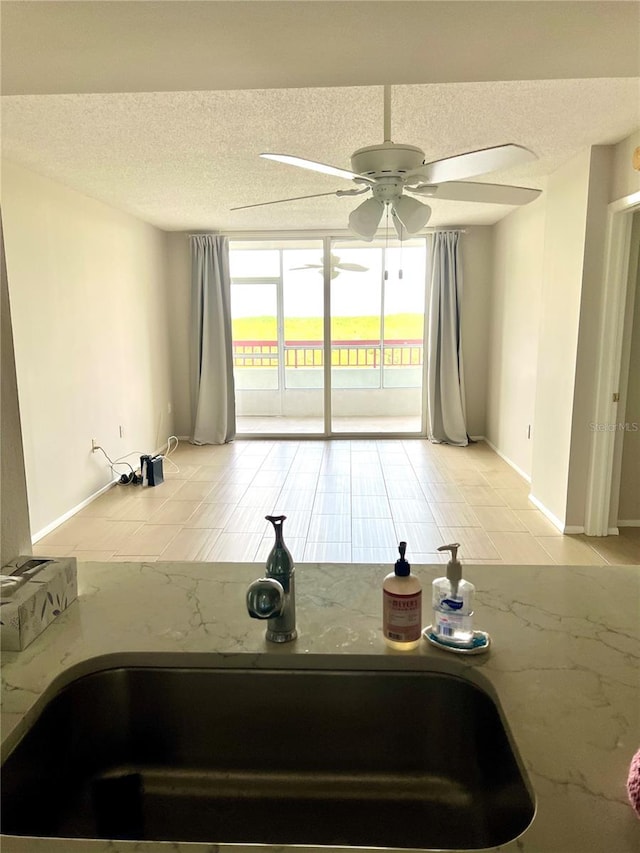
x=353 y=294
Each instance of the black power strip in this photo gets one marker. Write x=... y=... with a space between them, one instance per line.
x=130 y=479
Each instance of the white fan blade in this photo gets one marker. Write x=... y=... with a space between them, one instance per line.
x=281 y=200
x=337 y=266
x=315 y=167
x=412 y=213
x=352 y=267
x=474 y=163
x=364 y=220
x=468 y=191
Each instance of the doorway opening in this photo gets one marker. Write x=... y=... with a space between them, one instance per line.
x=625 y=493
x=601 y=505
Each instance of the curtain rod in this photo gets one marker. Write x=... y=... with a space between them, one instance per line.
x=236 y=235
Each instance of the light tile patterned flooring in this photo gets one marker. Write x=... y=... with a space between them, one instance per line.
x=345 y=501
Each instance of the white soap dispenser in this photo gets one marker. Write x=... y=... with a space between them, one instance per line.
x=452 y=600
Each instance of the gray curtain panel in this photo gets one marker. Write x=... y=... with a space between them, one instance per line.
x=446 y=420
x=212 y=388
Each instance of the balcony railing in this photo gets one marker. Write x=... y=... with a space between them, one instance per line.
x=305 y=354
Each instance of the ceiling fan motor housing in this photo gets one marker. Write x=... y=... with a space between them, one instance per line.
x=387 y=189
x=389 y=158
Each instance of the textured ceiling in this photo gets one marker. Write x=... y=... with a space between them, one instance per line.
x=181 y=160
x=161 y=108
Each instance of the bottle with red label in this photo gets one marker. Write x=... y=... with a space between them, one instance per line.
x=402 y=606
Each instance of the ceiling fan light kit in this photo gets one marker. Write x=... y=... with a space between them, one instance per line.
x=364 y=220
x=412 y=213
x=389 y=170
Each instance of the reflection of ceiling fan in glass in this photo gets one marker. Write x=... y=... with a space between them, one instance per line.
x=390 y=170
x=336 y=266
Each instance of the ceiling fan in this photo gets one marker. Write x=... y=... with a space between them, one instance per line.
x=390 y=170
x=336 y=266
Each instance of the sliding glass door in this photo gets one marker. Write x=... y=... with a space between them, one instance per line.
x=377 y=334
x=328 y=336
x=277 y=311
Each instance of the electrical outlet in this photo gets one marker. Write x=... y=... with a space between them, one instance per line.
x=94 y=445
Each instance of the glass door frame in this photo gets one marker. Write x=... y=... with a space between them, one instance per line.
x=328 y=239
x=326 y=325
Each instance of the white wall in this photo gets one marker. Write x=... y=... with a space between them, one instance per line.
x=514 y=328
x=625 y=180
x=584 y=393
x=549 y=259
x=567 y=193
x=87 y=286
x=15 y=536
x=476 y=311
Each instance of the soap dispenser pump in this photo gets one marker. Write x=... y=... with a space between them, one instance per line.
x=401 y=606
x=452 y=601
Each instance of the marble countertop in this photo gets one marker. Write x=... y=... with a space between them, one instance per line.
x=564 y=663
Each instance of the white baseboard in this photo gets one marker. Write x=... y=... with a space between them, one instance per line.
x=611 y=531
x=509 y=462
x=552 y=518
x=629 y=522
x=570 y=528
x=58 y=521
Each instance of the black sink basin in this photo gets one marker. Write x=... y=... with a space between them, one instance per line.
x=366 y=757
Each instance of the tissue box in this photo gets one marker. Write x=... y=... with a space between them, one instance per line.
x=48 y=587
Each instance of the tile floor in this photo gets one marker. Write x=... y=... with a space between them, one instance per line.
x=345 y=501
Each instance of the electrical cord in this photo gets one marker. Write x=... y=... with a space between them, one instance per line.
x=113 y=462
x=133 y=476
x=170 y=450
x=124 y=478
